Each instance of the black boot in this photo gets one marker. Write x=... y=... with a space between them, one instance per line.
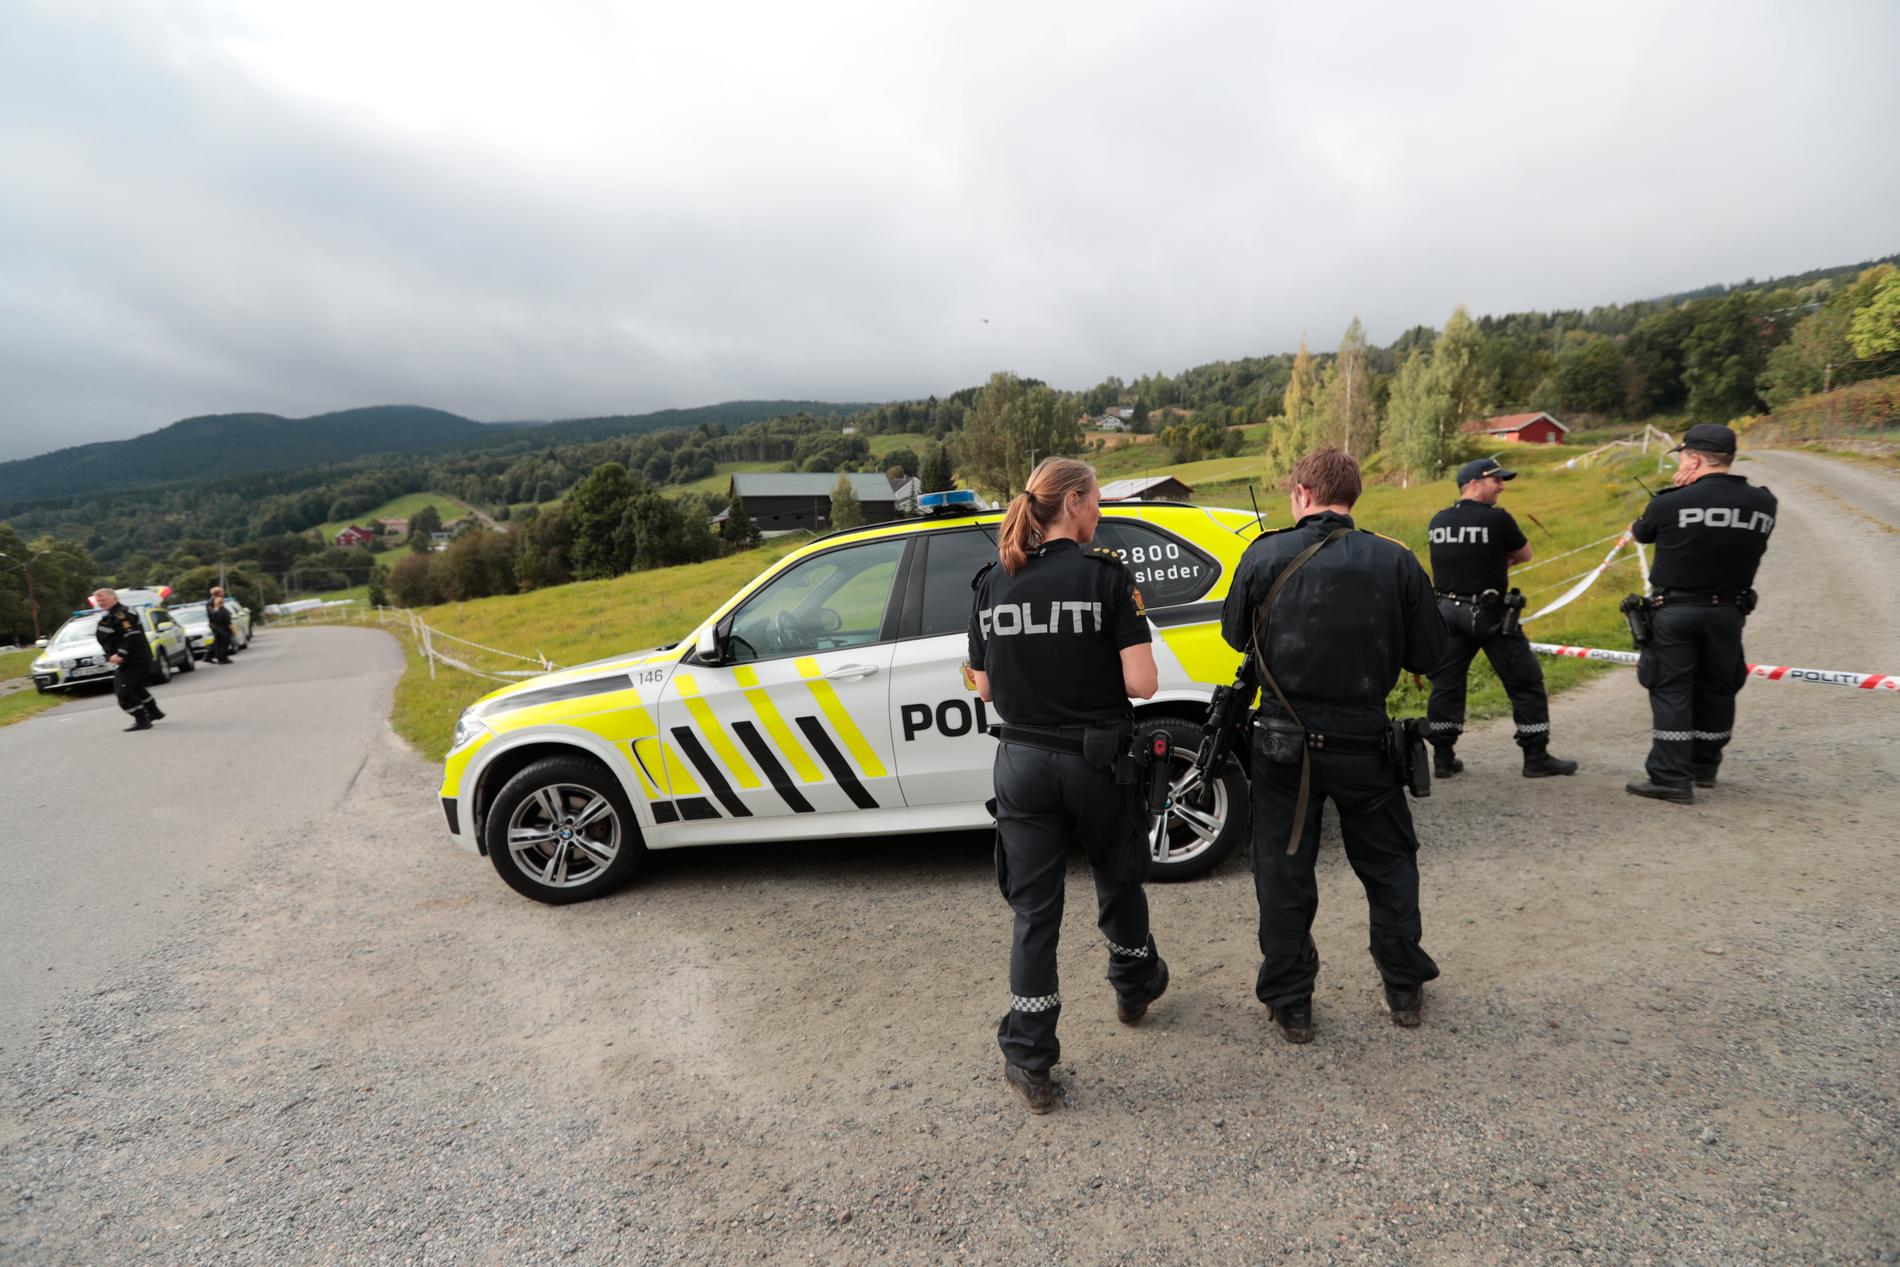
x=139 y=722
x=152 y=711
x=1295 y=1020
x=1130 y=1008
x=1037 y=1088
x=1407 y=1003
x=1539 y=764
x=1445 y=762
x=1683 y=795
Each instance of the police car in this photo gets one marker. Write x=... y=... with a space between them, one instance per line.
x=73 y=655
x=825 y=699
x=196 y=619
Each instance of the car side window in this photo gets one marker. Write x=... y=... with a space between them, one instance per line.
x=831 y=600
x=1167 y=569
x=953 y=558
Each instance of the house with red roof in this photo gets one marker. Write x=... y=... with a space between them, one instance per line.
x=1533 y=428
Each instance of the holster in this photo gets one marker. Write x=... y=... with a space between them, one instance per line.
x=1405 y=751
x=1512 y=620
x=1641 y=617
x=1103 y=746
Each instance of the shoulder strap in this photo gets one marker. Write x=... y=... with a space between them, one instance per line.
x=1266 y=674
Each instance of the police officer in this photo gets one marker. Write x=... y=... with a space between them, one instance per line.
x=220 y=617
x=1710 y=532
x=1060 y=642
x=1475 y=542
x=1329 y=615
x=122 y=638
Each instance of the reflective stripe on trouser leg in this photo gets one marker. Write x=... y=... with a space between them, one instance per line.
x=1721 y=670
x=1445 y=710
x=1523 y=680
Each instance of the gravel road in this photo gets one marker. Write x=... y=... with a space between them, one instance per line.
x=1663 y=1035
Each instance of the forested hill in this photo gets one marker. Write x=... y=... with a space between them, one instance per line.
x=231 y=444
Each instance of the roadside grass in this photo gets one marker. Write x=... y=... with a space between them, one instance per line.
x=569 y=624
x=404 y=507
x=24 y=702
x=358 y=592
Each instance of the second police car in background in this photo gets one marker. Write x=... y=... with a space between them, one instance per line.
x=824 y=699
x=196 y=618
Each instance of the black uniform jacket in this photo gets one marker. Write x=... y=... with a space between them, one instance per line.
x=1709 y=535
x=1346 y=623
x=1470 y=542
x=219 y=615
x=120 y=633
x=1051 y=636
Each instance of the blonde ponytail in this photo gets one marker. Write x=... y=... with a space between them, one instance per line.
x=1039 y=504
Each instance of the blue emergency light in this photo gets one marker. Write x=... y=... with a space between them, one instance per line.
x=954 y=499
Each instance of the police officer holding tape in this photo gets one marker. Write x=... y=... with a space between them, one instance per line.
x=1060 y=642
x=1474 y=544
x=1710 y=532
x=1329 y=614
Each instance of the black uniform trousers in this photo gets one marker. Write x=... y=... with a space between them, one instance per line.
x=1517 y=669
x=1693 y=667
x=1381 y=846
x=221 y=642
x=1046 y=803
x=128 y=683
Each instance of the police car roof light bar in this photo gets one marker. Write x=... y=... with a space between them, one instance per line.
x=955 y=499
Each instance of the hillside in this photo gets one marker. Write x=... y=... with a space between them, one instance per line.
x=231 y=444
x=733 y=413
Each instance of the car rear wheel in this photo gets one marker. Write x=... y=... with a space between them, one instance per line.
x=1205 y=822
x=161 y=670
x=562 y=831
x=188 y=663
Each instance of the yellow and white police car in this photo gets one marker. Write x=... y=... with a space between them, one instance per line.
x=73 y=655
x=824 y=699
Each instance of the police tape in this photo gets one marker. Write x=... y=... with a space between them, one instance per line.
x=1767 y=672
x=1589 y=578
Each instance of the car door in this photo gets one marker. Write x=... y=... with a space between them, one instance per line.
x=796 y=720
x=941 y=728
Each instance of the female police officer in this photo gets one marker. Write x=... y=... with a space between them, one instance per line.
x=1059 y=642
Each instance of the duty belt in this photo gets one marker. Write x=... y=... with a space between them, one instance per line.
x=1471 y=599
x=1066 y=739
x=1689 y=598
x=1352 y=745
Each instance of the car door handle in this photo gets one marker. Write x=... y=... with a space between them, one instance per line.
x=849 y=672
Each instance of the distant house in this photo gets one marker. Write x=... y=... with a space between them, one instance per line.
x=904 y=494
x=849 y=430
x=1125 y=412
x=1153 y=488
x=354 y=536
x=776 y=502
x=1109 y=422
x=394 y=527
x=1532 y=428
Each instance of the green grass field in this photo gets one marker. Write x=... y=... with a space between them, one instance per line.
x=404 y=507
x=22 y=704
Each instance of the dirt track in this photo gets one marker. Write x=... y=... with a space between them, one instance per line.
x=1663 y=1034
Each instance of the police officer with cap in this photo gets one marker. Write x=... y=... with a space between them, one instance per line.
x=122 y=638
x=1060 y=642
x=1710 y=532
x=1474 y=543
x=1329 y=615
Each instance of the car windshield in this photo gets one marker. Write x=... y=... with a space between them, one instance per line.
x=193 y=617
x=76 y=635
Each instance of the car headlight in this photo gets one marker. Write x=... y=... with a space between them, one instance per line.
x=69 y=664
x=44 y=666
x=467 y=728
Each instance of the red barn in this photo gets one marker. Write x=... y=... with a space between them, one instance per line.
x=1536 y=428
x=355 y=536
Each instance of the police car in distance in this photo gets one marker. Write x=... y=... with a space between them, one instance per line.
x=825 y=698
x=73 y=655
x=196 y=619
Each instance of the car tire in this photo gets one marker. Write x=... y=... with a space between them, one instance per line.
x=1199 y=841
x=543 y=865
x=161 y=670
x=188 y=663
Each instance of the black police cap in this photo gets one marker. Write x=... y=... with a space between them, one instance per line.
x=1478 y=468
x=1707 y=437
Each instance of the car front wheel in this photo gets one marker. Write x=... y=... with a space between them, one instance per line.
x=161 y=670
x=562 y=830
x=1205 y=821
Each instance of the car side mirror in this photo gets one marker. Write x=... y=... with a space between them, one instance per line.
x=709 y=648
x=42 y=642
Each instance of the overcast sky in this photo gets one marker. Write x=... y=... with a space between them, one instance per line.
x=566 y=208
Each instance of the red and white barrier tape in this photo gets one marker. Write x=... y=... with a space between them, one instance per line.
x=1588 y=580
x=1768 y=672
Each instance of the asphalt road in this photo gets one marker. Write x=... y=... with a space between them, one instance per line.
x=1664 y=1035
x=110 y=838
